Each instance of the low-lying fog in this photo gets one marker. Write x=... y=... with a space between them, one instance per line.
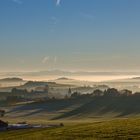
x=91 y=78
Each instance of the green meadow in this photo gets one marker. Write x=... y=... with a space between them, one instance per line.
x=117 y=129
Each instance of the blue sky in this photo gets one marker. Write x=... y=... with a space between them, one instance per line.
x=87 y=35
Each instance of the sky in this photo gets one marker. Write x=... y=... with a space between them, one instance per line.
x=73 y=35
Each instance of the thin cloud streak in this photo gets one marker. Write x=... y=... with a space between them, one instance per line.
x=45 y=59
x=58 y=2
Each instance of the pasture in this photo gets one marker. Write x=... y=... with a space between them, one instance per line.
x=117 y=129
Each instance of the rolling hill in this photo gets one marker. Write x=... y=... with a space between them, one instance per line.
x=15 y=79
x=77 y=108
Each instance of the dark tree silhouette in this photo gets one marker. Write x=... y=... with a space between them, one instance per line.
x=97 y=92
x=111 y=92
x=75 y=94
x=2 y=113
x=126 y=92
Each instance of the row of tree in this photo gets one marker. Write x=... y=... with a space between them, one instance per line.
x=110 y=92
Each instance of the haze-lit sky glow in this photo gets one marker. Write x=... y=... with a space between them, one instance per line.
x=87 y=35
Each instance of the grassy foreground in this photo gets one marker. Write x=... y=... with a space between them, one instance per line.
x=120 y=129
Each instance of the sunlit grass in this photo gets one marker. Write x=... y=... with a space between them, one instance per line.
x=115 y=129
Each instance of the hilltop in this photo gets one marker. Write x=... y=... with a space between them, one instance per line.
x=14 y=79
x=63 y=78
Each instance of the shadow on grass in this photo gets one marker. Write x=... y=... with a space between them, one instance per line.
x=103 y=105
x=91 y=106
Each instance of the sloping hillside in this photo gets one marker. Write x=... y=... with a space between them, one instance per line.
x=83 y=107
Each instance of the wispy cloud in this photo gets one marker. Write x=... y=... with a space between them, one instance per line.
x=45 y=59
x=17 y=1
x=20 y=2
x=58 y=2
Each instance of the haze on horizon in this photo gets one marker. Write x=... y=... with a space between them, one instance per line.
x=74 y=35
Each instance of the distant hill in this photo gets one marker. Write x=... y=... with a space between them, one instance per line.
x=63 y=78
x=136 y=78
x=14 y=79
x=69 y=81
x=32 y=85
x=35 y=84
x=41 y=83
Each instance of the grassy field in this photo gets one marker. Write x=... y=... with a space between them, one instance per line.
x=119 y=129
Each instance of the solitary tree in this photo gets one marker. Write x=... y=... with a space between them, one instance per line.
x=69 y=92
x=2 y=113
